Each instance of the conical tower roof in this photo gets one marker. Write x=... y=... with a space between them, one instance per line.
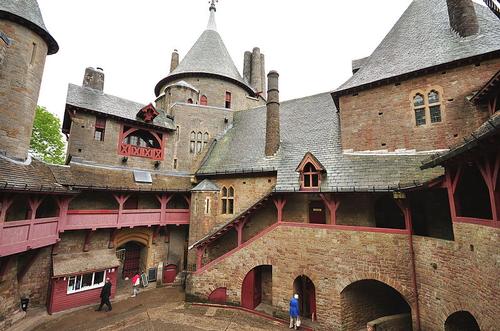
x=27 y=13
x=208 y=56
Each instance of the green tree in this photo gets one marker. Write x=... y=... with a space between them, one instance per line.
x=46 y=140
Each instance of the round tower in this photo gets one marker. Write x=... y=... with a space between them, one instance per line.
x=24 y=45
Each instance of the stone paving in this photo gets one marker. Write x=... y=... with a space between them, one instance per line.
x=158 y=309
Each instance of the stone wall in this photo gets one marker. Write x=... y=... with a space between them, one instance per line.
x=384 y=118
x=20 y=79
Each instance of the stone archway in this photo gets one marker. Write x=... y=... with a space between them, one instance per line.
x=256 y=288
x=134 y=246
x=305 y=288
x=461 y=321
x=367 y=300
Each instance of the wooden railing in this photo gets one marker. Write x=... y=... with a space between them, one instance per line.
x=19 y=236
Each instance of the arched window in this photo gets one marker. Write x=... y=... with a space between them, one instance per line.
x=310 y=176
x=434 y=106
x=199 y=142
x=419 y=108
x=190 y=100
x=205 y=139
x=192 y=142
x=203 y=100
x=227 y=200
x=427 y=108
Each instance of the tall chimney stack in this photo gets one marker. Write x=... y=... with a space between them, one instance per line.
x=247 y=66
x=263 y=75
x=94 y=79
x=174 y=62
x=256 y=75
x=463 y=19
x=272 y=114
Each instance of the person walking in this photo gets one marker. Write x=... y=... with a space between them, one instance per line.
x=105 y=294
x=294 y=312
x=136 y=281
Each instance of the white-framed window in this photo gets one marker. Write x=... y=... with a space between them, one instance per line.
x=86 y=282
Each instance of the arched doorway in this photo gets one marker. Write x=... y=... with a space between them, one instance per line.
x=461 y=321
x=367 y=300
x=306 y=290
x=257 y=287
x=134 y=258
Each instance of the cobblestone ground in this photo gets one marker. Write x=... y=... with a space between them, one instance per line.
x=159 y=309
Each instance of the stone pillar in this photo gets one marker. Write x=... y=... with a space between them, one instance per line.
x=256 y=72
x=174 y=62
x=94 y=79
x=462 y=15
x=247 y=66
x=272 y=115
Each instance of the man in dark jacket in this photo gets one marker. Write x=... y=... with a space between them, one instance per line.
x=105 y=294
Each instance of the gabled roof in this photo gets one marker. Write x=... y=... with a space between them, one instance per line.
x=489 y=89
x=206 y=185
x=27 y=13
x=208 y=56
x=422 y=38
x=97 y=101
x=309 y=124
x=309 y=157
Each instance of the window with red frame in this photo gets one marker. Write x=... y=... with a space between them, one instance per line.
x=204 y=100
x=310 y=177
x=228 y=99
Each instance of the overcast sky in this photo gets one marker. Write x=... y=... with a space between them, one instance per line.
x=310 y=43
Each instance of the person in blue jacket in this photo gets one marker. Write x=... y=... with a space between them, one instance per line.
x=294 y=311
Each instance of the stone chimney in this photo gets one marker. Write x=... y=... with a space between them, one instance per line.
x=463 y=19
x=247 y=66
x=94 y=79
x=174 y=62
x=272 y=114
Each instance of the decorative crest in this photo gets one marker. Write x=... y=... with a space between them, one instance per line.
x=212 y=4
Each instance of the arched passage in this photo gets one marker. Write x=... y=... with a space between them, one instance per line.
x=134 y=258
x=367 y=300
x=257 y=287
x=461 y=321
x=306 y=290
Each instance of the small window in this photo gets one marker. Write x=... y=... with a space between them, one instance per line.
x=228 y=99
x=310 y=176
x=190 y=100
x=100 y=128
x=177 y=133
x=227 y=200
x=85 y=282
x=419 y=107
x=434 y=107
x=205 y=139
x=427 y=109
x=33 y=54
x=204 y=100
x=207 y=206
x=192 y=142
x=175 y=163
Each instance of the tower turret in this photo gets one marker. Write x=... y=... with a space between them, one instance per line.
x=24 y=45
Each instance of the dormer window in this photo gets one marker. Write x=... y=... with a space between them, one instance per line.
x=310 y=170
x=148 y=113
x=310 y=176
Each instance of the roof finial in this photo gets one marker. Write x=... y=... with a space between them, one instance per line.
x=212 y=4
x=211 y=22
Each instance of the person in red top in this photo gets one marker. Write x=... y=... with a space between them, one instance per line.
x=136 y=281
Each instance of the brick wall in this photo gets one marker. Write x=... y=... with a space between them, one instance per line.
x=384 y=115
x=20 y=79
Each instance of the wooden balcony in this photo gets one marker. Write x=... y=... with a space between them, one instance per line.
x=99 y=219
x=147 y=152
x=20 y=236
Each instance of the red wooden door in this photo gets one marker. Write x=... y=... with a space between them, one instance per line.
x=132 y=260
x=257 y=288
x=169 y=273
x=317 y=212
x=219 y=295
x=247 y=290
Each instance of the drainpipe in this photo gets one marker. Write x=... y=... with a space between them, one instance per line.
x=405 y=208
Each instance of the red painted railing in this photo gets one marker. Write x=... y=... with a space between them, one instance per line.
x=132 y=150
x=97 y=219
x=19 y=236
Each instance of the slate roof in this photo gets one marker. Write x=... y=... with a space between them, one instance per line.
x=422 y=38
x=34 y=176
x=27 y=13
x=78 y=263
x=310 y=124
x=206 y=185
x=94 y=100
x=208 y=55
x=82 y=176
x=488 y=129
